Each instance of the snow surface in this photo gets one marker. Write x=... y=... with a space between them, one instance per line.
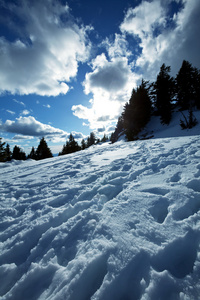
x=112 y=222
x=155 y=129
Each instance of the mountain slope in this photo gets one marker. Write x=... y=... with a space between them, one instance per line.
x=117 y=221
x=157 y=130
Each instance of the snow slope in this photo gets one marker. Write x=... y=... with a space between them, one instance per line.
x=156 y=130
x=111 y=222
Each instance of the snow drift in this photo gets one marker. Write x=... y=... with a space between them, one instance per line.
x=117 y=221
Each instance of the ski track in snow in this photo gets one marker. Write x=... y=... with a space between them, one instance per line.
x=115 y=221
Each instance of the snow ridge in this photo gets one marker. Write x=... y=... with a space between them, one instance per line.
x=114 y=221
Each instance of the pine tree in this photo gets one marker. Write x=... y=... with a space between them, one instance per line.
x=196 y=86
x=70 y=146
x=88 y=142
x=18 y=154
x=83 y=144
x=185 y=86
x=63 y=150
x=73 y=145
x=164 y=90
x=43 y=151
x=2 y=151
x=137 y=112
x=32 y=154
x=104 y=138
x=119 y=129
x=91 y=139
x=8 y=153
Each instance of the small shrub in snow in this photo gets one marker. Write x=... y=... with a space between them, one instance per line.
x=191 y=122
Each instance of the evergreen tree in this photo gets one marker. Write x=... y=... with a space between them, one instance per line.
x=91 y=139
x=8 y=153
x=88 y=142
x=70 y=146
x=185 y=86
x=32 y=154
x=137 y=112
x=104 y=138
x=196 y=86
x=83 y=144
x=2 y=151
x=65 y=149
x=164 y=89
x=119 y=129
x=73 y=145
x=18 y=154
x=43 y=151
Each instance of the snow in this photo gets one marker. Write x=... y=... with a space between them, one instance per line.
x=111 y=222
x=155 y=129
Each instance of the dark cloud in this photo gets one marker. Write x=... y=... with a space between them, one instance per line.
x=22 y=137
x=112 y=76
x=103 y=118
x=29 y=126
x=111 y=129
x=100 y=130
x=77 y=135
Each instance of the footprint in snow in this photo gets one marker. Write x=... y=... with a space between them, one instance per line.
x=159 y=210
x=194 y=184
x=176 y=177
x=179 y=256
x=156 y=191
x=191 y=207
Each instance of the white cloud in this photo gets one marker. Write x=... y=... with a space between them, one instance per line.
x=19 y=102
x=164 y=39
x=144 y=19
x=81 y=111
x=110 y=82
x=25 y=112
x=117 y=47
x=45 y=58
x=47 y=106
x=10 y=112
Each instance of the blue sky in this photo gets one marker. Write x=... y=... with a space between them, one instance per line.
x=70 y=66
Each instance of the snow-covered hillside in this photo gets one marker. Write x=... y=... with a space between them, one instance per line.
x=113 y=222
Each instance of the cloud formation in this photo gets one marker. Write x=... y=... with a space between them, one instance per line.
x=110 y=83
x=110 y=76
x=25 y=112
x=45 y=58
x=29 y=126
x=144 y=19
x=10 y=112
x=164 y=38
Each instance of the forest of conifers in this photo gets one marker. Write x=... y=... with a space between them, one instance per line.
x=161 y=98
x=158 y=98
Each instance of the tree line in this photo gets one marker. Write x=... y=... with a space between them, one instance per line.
x=72 y=145
x=43 y=151
x=161 y=98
